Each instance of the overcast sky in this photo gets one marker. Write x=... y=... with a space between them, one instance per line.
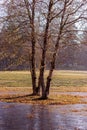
x=1 y=10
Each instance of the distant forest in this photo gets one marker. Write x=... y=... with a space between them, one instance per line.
x=16 y=35
x=17 y=56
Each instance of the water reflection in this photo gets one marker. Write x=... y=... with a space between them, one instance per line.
x=72 y=93
x=35 y=117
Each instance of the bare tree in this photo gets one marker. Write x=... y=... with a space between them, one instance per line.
x=49 y=22
x=65 y=21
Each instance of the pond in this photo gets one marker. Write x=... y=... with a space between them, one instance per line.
x=14 y=116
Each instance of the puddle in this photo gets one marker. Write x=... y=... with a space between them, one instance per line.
x=15 y=116
x=72 y=93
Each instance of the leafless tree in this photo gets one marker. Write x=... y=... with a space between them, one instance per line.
x=49 y=26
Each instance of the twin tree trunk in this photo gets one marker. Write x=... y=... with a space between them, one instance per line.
x=41 y=83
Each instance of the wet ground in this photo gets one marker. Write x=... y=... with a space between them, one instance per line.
x=13 y=93
x=15 y=116
x=72 y=93
x=65 y=93
x=82 y=94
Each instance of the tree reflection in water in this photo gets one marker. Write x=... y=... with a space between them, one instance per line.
x=36 y=117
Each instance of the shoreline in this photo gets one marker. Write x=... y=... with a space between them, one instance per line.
x=21 y=95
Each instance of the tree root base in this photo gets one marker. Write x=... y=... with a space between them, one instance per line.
x=34 y=94
x=43 y=98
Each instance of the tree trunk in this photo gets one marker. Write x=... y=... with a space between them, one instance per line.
x=31 y=16
x=33 y=71
x=41 y=75
x=48 y=83
x=33 y=40
x=49 y=78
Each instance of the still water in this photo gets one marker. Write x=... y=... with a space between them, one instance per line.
x=15 y=116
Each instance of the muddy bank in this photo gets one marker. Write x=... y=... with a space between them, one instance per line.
x=57 y=96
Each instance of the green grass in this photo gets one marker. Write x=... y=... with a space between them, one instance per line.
x=15 y=79
x=70 y=78
x=60 y=78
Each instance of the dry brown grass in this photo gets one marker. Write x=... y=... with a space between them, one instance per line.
x=21 y=96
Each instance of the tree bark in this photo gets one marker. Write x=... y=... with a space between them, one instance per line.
x=31 y=16
x=41 y=75
x=33 y=62
x=48 y=83
x=33 y=71
x=49 y=78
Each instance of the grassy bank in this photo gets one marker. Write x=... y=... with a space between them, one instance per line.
x=21 y=95
x=60 y=78
x=16 y=84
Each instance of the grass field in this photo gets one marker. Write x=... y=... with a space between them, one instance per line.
x=19 y=83
x=60 y=78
